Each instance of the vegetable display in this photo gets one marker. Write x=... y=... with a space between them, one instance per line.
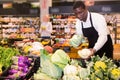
x=6 y=55
x=49 y=69
x=60 y=58
x=32 y=48
x=20 y=67
x=59 y=66
x=103 y=69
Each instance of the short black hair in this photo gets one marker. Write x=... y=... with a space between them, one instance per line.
x=78 y=4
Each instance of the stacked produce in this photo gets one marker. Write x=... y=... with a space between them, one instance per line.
x=51 y=65
x=96 y=69
x=6 y=55
x=103 y=69
x=60 y=58
x=31 y=48
x=70 y=72
x=20 y=67
x=14 y=65
x=59 y=66
x=35 y=48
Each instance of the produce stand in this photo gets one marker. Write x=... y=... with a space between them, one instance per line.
x=34 y=67
x=67 y=50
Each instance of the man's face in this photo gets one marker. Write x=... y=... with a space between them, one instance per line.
x=80 y=13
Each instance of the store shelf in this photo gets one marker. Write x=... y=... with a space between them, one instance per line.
x=63 y=24
x=19 y=26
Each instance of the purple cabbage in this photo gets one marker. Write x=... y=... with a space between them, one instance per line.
x=21 y=67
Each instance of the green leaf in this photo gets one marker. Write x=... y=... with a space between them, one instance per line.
x=99 y=74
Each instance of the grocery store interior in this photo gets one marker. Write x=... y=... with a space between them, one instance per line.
x=20 y=22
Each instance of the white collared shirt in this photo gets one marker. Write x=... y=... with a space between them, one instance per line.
x=99 y=24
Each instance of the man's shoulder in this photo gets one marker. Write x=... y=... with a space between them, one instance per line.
x=96 y=14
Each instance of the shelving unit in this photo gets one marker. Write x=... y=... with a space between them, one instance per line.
x=16 y=27
x=63 y=24
x=113 y=21
x=117 y=29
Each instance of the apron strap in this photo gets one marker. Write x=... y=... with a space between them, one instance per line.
x=90 y=21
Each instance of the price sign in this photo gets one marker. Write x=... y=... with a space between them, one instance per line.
x=19 y=1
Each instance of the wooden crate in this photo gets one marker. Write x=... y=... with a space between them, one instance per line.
x=116 y=52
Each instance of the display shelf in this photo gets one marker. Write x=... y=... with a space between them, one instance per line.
x=113 y=22
x=34 y=65
x=117 y=31
x=19 y=26
x=63 y=24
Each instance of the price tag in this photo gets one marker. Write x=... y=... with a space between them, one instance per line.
x=19 y=1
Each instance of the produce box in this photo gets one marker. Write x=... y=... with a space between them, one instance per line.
x=32 y=68
x=116 y=52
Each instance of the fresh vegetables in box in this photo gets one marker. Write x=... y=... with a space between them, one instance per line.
x=35 y=50
x=51 y=65
x=60 y=58
x=103 y=69
x=58 y=66
x=6 y=55
x=32 y=48
x=20 y=67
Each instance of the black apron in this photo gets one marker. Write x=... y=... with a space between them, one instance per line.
x=92 y=36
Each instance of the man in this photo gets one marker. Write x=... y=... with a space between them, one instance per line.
x=94 y=27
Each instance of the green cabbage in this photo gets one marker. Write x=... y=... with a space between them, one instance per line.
x=48 y=67
x=76 y=40
x=42 y=76
x=60 y=58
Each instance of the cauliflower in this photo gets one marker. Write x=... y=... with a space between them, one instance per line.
x=70 y=77
x=36 y=46
x=84 y=53
x=84 y=73
x=70 y=69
